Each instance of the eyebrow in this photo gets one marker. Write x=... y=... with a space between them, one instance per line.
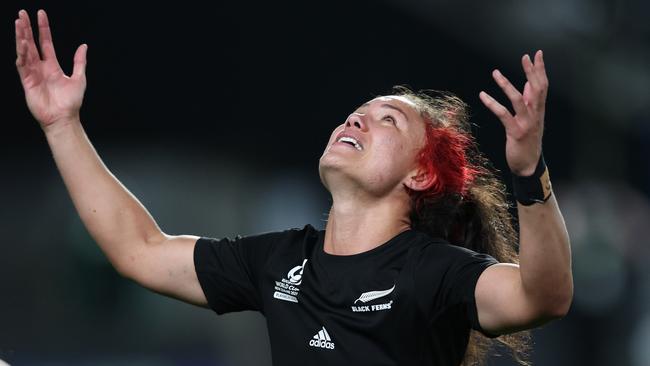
x=388 y=106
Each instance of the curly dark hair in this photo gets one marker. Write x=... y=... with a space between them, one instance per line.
x=466 y=203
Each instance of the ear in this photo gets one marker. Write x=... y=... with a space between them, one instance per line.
x=420 y=179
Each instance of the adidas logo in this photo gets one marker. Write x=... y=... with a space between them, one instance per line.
x=322 y=340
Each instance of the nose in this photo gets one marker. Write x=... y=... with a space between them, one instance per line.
x=356 y=120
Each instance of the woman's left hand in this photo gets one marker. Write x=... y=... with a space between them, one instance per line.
x=524 y=130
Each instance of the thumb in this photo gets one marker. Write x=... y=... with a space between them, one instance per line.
x=79 y=68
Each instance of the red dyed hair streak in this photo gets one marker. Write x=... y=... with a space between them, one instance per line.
x=444 y=160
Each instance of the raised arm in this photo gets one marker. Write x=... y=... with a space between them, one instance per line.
x=513 y=297
x=116 y=220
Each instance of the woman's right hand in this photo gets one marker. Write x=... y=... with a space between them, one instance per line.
x=53 y=97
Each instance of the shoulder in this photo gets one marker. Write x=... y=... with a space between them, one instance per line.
x=292 y=237
x=270 y=237
x=440 y=251
x=296 y=240
x=426 y=244
x=254 y=249
x=446 y=274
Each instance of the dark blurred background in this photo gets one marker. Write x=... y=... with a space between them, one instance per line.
x=215 y=116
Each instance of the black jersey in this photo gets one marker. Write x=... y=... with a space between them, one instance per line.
x=409 y=301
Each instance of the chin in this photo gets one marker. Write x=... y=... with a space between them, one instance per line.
x=326 y=167
x=332 y=172
x=329 y=161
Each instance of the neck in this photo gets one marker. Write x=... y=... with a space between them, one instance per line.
x=355 y=226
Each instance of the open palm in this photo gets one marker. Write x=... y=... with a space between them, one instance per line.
x=525 y=128
x=51 y=95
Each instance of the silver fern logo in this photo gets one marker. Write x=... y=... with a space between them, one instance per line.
x=372 y=295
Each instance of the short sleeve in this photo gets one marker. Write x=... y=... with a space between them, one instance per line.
x=229 y=270
x=452 y=277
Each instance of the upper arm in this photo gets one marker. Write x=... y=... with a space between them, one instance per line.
x=166 y=265
x=502 y=304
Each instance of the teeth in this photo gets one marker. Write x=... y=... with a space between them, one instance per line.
x=350 y=140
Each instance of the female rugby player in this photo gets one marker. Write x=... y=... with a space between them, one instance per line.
x=416 y=265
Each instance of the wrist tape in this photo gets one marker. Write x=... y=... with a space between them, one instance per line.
x=535 y=188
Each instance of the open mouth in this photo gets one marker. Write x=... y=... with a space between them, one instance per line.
x=351 y=141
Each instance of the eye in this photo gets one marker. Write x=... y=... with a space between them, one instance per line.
x=390 y=118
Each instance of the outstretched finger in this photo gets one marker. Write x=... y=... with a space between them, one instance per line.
x=20 y=52
x=79 y=68
x=540 y=71
x=21 y=56
x=531 y=75
x=513 y=94
x=497 y=108
x=45 y=37
x=28 y=35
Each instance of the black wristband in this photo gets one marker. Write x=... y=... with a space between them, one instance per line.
x=535 y=188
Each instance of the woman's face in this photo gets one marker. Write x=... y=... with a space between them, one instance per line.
x=376 y=147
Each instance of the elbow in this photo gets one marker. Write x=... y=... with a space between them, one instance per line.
x=125 y=266
x=565 y=299
x=560 y=309
x=558 y=306
x=552 y=301
x=130 y=263
x=557 y=298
